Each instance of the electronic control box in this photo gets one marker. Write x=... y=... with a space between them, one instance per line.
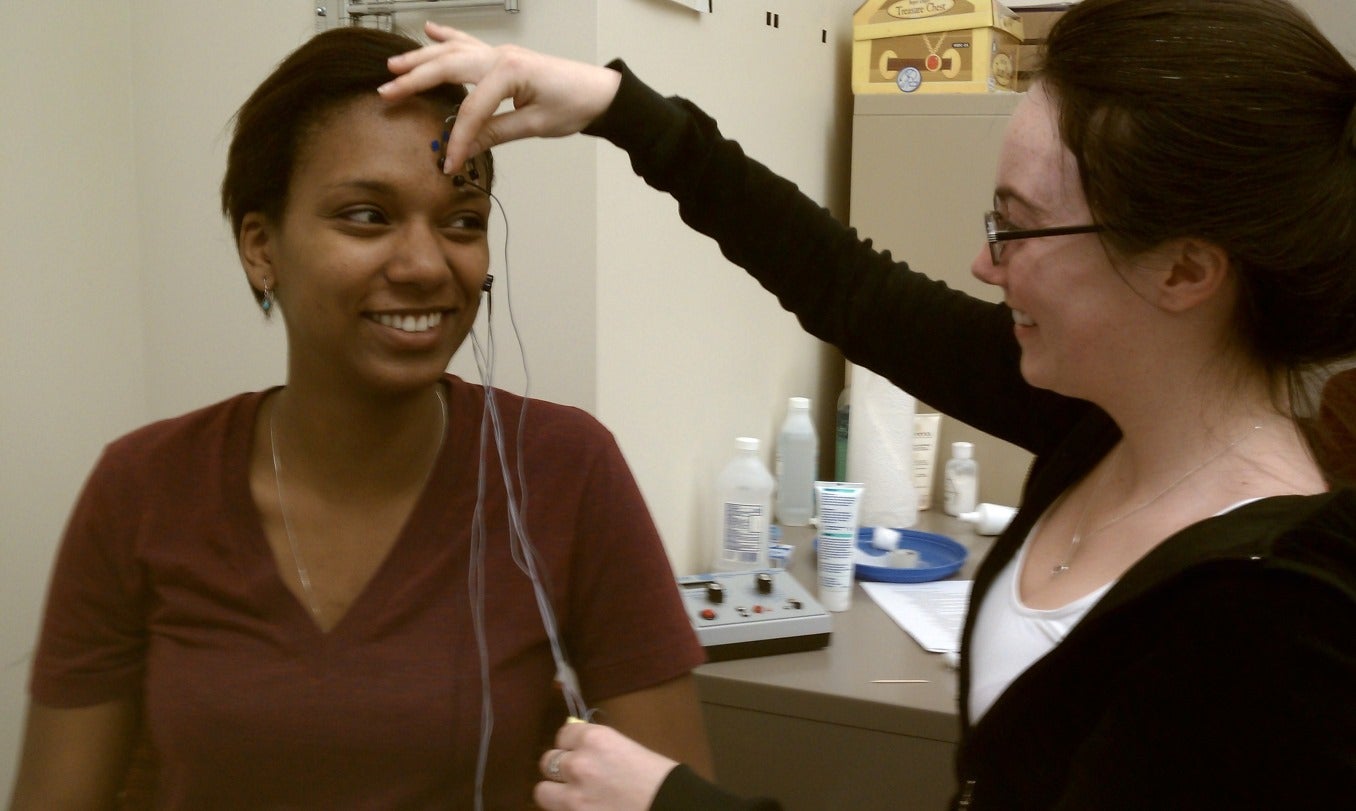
x=738 y=615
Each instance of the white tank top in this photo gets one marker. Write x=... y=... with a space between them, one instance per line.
x=1009 y=636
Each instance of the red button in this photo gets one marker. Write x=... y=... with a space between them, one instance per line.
x=708 y=614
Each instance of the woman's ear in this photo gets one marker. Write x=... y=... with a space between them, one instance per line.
x=1193 y=272
x=255 y=246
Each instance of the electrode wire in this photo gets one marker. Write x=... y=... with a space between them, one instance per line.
x=525 y=554
x=523 y=551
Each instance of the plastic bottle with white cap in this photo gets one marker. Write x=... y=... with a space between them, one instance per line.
x=989 y=519
x=960 y=480
x=744 y=503
x=797 y=465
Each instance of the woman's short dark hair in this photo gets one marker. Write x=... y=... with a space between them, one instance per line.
x=1228 y=120
x=327 y=72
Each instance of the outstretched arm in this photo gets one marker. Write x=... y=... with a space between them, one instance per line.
x=552 y=97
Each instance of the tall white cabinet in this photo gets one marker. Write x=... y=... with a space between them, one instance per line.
x=922 y=177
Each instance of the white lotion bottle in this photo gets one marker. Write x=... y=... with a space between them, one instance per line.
x=744 y=506
x=797 y=463
x=960 y=480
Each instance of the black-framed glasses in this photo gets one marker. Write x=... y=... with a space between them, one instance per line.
x=996 y=233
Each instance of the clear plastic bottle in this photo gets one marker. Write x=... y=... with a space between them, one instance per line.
x=960 y=480
x=797 y=465
x=744 y=502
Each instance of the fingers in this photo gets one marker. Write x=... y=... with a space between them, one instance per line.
x=573 y=734
x=445 y=40
x=459 y=58
x=551 y=763
x=477 y=127
x=551 y=97
x=455 y=57
x=551 y=796
x=552 y=793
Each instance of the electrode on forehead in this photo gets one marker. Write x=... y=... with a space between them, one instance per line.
x=470 y=174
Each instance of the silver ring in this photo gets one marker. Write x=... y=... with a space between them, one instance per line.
x=553 y=767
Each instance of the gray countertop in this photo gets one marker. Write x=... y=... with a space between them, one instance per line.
x=834 y=684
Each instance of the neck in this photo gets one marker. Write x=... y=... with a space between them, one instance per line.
x=348 y=445
x=1180 y=404
x=1183 y=425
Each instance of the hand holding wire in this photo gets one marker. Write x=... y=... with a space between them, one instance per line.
x=551 y=97
x=594 y=767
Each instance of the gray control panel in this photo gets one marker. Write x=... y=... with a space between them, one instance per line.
x=742 y=614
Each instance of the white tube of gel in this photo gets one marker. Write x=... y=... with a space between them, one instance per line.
x=838 y=507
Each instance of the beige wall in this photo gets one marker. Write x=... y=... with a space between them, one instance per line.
x=126 y=302
x=785 y=95
x=72 y=348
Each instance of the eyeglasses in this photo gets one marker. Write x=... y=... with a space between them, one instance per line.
x=997 y=232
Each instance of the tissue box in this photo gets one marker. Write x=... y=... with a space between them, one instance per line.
x=935 y=46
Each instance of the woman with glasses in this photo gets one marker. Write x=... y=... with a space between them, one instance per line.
x=1167 y=622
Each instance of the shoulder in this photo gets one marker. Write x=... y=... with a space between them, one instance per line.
x=544 y=423
x=1264 y=554
x=182 y=441
x=1312 y=537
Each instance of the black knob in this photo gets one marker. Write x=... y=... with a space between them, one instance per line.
x=764 y=581
x=715 y=592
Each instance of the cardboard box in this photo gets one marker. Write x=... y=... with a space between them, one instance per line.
x=1036 y=25
x=935 y=46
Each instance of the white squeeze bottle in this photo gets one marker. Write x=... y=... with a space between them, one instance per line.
x=960 y=480
x=744 y=503
x=797 y=465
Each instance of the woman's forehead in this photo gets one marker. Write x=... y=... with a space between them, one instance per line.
x=369 y=128
x=1034 y=165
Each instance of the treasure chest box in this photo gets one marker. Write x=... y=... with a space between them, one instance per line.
x=935 y=46
x=1036 y=25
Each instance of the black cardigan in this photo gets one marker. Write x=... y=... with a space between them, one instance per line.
x=1217 y=673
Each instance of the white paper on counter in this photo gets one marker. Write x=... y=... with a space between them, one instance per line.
x=932 y=613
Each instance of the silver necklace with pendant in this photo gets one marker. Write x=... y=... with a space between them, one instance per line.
x=1078 y=535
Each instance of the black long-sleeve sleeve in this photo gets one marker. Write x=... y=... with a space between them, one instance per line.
x=949 y=349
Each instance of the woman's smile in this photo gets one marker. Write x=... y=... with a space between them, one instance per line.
x=413 y=322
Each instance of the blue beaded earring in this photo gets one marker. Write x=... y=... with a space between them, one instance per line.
x=266 y=304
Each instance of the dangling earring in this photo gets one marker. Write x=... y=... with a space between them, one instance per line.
x=266 y=304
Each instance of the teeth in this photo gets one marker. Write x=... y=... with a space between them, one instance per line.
x=409 y=323
x=1023 y=319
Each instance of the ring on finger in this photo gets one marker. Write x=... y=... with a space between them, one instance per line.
x=553 y=767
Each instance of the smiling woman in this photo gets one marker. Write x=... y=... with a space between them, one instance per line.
x=378 y=260
x=326 y=594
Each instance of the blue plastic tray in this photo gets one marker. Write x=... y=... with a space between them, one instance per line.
x=938 y=557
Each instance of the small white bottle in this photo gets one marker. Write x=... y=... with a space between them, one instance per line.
x=990 y=519
x=797 y=465
x=960 y=480
x=744 y=503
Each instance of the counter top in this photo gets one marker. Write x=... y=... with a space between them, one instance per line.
x=834 y=684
